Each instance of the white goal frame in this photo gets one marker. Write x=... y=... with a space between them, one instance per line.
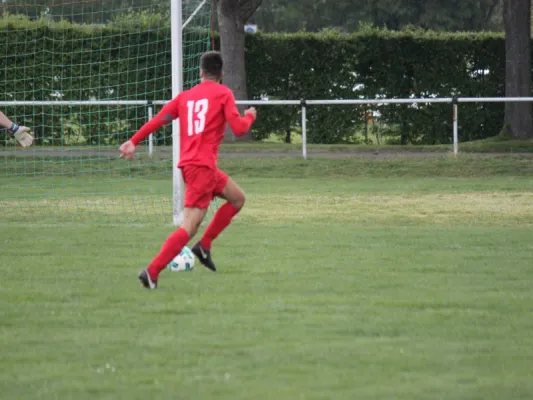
x=176 y=33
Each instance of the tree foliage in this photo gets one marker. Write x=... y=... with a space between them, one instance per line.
x=349 y=15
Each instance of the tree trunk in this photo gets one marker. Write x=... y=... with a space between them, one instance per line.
x=518 y=122
x=232 y=15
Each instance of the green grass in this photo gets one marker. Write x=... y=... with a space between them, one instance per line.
x=375 y=278
x=386 y=165
x=490 y=145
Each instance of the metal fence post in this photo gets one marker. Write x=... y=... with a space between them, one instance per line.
x=455 y=127
x=150 y=138
x=304 y=128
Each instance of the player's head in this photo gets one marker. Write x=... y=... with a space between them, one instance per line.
x=211 y=66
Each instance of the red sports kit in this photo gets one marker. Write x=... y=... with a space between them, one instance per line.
x=203 y=112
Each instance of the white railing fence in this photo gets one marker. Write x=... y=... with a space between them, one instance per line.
x=304 y=105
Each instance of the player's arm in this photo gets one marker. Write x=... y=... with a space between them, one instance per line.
x=239 y=125
x=21 y=133
x=167 y=114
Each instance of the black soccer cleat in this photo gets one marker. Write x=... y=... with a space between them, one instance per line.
x=204 y=256
x=146 y=281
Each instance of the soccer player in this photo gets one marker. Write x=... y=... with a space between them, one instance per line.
x=203 y=113
x=21 y=133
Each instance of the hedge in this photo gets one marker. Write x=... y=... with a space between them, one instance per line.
x=381 y=64
x=109 y=63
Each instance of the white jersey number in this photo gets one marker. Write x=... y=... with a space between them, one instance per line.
x=196 y=116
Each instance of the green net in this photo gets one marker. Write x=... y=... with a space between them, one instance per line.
x=77 y=55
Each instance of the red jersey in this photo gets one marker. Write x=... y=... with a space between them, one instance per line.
x=203 y=111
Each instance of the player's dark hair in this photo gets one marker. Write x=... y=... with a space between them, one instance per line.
x=211 y=64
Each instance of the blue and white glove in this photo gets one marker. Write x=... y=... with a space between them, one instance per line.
x=22 y=134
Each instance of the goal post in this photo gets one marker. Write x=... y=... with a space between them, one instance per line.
x=194 y=10
x=176 y=17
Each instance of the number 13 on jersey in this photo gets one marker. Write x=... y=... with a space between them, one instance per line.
x=196 y=111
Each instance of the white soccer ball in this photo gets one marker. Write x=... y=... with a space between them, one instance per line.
x=184 y=261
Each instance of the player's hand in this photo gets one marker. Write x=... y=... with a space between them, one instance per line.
x=252 y=111
x=22 y=135
x=126 y=150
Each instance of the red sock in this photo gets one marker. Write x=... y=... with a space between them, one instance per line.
x=220 y=221
x=170 y=249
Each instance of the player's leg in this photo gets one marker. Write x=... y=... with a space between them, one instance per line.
x=192 y=218
x=235 y=199
x=197 y=198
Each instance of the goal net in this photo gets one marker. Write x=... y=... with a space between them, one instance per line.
x=84 y=76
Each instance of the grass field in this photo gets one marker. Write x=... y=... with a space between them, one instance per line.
x=490 y=145
x=391 y=278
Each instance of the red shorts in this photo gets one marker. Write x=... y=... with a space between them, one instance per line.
x=202 y=184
